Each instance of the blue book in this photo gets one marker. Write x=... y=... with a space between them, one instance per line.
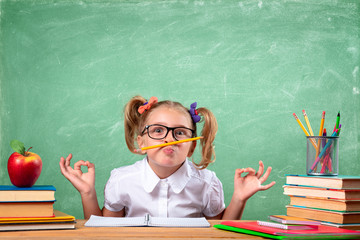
x=37 y=193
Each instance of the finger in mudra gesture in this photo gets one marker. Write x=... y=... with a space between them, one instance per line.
x=247 y=185
x=82 y=181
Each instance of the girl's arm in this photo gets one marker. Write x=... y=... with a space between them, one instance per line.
x=244 y=188
x=85 y=184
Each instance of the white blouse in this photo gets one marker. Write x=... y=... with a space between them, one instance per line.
x=188 y=192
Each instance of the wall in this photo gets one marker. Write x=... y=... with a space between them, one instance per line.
x=69 y=67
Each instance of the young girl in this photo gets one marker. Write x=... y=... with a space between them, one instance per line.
x=165 y=183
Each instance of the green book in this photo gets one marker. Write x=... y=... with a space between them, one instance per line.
x=246 y=231
x=323 y=232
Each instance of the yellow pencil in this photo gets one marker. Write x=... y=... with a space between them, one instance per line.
x=301 y=125
x=305 y=131
x=322 y=124
x=308 y=123
x=167 y=144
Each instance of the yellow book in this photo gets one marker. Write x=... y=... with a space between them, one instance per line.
x=59 y=217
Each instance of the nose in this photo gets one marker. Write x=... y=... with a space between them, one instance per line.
x=170 y=137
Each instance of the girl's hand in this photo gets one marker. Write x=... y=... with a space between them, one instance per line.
x=83 y=182
x=245 y=187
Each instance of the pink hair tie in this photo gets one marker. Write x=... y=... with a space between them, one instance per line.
x=147 y=105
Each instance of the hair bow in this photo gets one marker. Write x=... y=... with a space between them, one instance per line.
x=194 y=114
x=147 y=105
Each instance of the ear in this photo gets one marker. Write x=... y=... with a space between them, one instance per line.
x=140 y=142
x=192 y=149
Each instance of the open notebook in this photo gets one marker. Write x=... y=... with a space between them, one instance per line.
x=146 y=221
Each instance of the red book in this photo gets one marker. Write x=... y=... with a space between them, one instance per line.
x=321 y=231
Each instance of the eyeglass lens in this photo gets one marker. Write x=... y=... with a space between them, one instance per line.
x=160 y=132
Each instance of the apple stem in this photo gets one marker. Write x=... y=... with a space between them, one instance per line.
x=26 y=153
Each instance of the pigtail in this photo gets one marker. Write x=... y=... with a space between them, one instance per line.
x=132 y=121
x=208 y=132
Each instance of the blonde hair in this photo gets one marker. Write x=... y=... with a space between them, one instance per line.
x=134 y=122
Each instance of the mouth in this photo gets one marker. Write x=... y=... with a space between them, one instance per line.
x=168 y=150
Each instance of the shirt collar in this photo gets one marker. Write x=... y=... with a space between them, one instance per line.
x=180 y=178
x=177 y=180
x=150 y=179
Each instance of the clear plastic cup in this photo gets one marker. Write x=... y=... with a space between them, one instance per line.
x=322 y=155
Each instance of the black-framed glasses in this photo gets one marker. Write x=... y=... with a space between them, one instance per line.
x=158 y=132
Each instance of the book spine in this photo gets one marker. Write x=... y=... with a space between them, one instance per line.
x=274 y=225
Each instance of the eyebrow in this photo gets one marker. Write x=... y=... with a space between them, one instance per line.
x=161 y=123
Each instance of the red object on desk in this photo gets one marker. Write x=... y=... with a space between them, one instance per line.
x=322 y=230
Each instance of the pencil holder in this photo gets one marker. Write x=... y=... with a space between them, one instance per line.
x=322 y=155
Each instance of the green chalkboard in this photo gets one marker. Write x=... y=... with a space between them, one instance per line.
x=68 y=67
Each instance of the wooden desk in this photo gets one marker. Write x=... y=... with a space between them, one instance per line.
x=133 y=233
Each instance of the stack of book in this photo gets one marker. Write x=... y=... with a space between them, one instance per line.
x=273 y=231
x=31 y=209
x=333 y=200
x=290 y=223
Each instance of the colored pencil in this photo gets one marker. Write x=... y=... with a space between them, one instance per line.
x=305 y=131
x=339 y=129
x=301 y=125
x=328 y=144
x=308 y=123
x=322 y=124
x=167 y=144
x=337 y=124
x=327 y=161
x=320 y=133
x=338 y=120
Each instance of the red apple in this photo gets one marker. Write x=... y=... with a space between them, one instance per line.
x=24 y=167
